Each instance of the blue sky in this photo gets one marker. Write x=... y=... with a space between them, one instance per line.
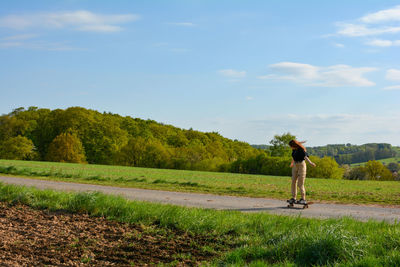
x=327 y=72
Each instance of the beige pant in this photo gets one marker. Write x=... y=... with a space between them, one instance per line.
x=298 y=176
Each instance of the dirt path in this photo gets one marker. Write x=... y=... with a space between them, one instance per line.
x=244 y=204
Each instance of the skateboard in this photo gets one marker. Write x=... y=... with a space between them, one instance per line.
x=305 y=206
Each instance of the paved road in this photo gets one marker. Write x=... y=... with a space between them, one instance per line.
x=245 y=204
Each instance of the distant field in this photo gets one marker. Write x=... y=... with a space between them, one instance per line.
x=384 y=161
x=340 y=191
x=389 y=160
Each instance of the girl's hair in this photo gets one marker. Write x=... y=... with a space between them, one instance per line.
x=297 y=144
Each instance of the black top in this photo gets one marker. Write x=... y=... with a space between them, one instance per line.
x=299 y=155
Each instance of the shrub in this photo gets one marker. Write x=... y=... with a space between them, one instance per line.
x=17 y=148
x=377 y=171
x=66 y=147
x=327 y=167
x=356 y=173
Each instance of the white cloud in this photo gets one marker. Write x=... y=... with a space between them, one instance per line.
x=81 y=20
x=232 y=73
x=382 y=22
x=393 y=75
x=30 y=41
x=249 y=98
x=38 y=45
x=392 y=88
x=184 y=24
x=383 y=43
x=331 y=76
x=100 y=28
x=387 y=15
x=339 y=45
x=293 y=69
x=10 y=44
x=19 y=37
x=357 y=30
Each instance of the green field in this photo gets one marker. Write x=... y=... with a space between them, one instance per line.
x=239 y=239
x=384 y=161
x=325 y=190
x=389 y=160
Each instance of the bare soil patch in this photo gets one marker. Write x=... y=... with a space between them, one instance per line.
x=30 y=237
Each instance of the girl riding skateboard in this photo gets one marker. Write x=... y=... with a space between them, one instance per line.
x=299 y=169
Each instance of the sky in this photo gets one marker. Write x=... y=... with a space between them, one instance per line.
x=327 y=72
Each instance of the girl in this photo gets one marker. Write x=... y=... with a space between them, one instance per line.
x=298 y=165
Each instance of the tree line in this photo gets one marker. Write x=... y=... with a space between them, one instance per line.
x=81 y=135
x=349 y=154
x=86 y=136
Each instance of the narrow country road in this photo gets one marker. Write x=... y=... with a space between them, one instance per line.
x=245 y=204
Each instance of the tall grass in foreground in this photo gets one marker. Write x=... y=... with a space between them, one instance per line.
x=257 y=239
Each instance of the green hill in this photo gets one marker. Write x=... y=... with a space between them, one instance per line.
x=77 y=134
x=349 y=154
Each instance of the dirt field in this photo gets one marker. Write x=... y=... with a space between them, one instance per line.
x=32 y=237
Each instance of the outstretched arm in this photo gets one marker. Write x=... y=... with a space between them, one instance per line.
x=309 y=161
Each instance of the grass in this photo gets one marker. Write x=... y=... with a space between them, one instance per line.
x=389 y=160
x=254 y=239
x=328 y=190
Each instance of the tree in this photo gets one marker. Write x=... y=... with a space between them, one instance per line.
x=377 y=171
x=132 y=153
x=11 y=126
x=178 y=139
x=276 y=166
x=357 y=173
x=66 y=147
x=144 y=153
x=393 y=167
x=280 y=145
x=18 y=147
x=156 y=155
x=327 y=167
